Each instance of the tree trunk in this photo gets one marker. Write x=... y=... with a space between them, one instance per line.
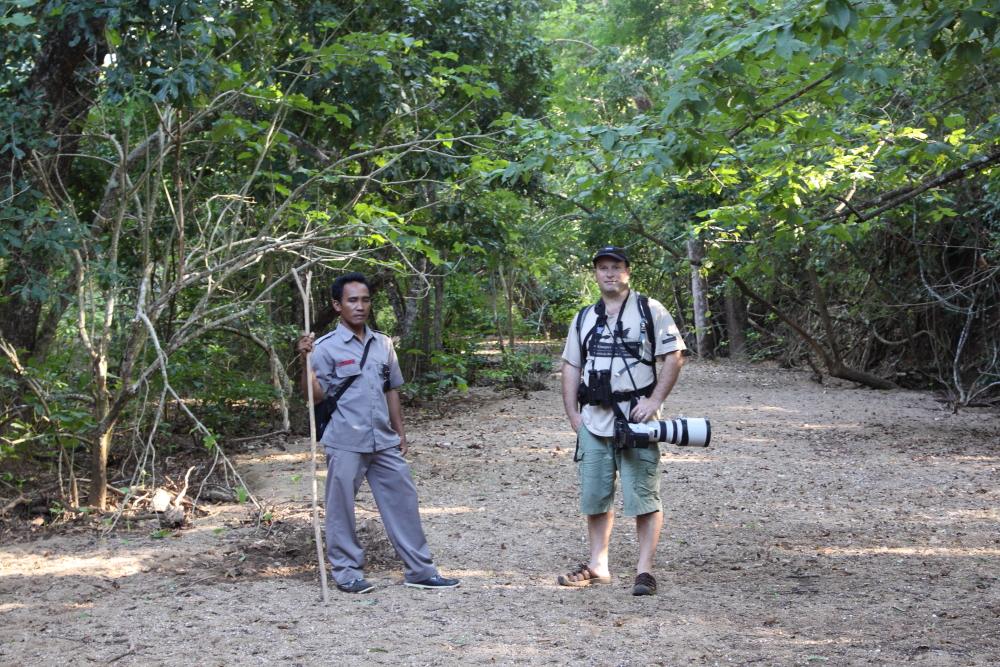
x=438 y=323
x=736 y=323
x=508 y=296
x=425 y=334
x=411 y=306
x=61 y=99
x=398 y=305
x=496 y=316
x=824 y=313
x=699 y=298
x=102 y=441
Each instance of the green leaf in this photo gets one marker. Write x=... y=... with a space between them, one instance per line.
x=241 y=495
x=840 y=231
x=970 y=52
x=609 y=139
x=20 y=20
x=840 y=13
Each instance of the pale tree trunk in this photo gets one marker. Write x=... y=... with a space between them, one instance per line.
x=699 y=299
x=438 y=319
x=279 y=379
x=496 y=316
x=425 y=333
x=410 y=301
x=507 y=284
x=98 y=496
x=736 y=323
x=283 y=389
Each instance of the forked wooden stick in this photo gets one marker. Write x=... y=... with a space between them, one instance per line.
x=320 y=551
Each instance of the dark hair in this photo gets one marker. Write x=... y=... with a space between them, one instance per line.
x=337 y=291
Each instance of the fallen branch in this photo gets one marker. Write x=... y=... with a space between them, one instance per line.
x=834 y=366
x=257 y=437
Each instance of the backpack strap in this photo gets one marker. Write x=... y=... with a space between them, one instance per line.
x=646 y=325
x=580 y=317
x=649 y=325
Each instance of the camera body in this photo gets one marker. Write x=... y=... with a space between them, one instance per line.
x=597 y=390
x=683 y=432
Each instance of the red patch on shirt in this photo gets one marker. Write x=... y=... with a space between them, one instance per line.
x=344 y=363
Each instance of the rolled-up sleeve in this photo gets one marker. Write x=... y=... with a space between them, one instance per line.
x=323 y=367
x=395 y=374
x=668 y=336
x=571 y=351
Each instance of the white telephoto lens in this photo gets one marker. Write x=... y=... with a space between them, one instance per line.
x=694 y=432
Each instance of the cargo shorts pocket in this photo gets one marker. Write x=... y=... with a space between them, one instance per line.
x=640 y=472
x=597 y=472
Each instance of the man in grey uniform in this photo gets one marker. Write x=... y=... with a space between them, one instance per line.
x=365 y=438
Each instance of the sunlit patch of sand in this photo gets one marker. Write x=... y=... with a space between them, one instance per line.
x=287 y=457
x=104 y=566
x=446 y=510
x=909 y=551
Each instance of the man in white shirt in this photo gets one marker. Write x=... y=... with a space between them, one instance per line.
x=613 y=347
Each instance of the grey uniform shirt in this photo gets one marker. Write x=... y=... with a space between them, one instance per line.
x=361 y=422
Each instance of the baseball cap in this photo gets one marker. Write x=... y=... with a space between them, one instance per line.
x=611 y=251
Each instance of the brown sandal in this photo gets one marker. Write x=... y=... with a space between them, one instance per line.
x=585 y=575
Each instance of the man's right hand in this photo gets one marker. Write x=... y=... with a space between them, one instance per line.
x=575 y=420
x=306 y=343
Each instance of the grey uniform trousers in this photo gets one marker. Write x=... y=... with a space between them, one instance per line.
x=392 y=486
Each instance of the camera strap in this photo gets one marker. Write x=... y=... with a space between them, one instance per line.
x=647 y=330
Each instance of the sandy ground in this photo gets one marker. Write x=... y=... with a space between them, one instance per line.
x=826 y=525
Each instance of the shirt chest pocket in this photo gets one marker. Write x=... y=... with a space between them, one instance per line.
x=348 y=370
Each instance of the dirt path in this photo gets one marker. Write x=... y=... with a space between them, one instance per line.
x=826 y=525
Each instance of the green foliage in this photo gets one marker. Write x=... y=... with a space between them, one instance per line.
x=519 y=369
x=449 y=375
x=226 y=382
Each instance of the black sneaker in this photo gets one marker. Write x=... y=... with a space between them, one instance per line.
x=437 y=581
x=645 y=584
x=356 y=586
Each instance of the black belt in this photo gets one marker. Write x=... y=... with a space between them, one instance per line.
x=622 y=396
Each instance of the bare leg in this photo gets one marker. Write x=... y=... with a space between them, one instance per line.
x=647 y=528
x=599 y=528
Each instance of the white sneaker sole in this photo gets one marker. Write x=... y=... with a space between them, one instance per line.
x=367 y=590
x=431 y=587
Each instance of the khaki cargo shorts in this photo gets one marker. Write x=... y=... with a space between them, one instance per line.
x=600 y=464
